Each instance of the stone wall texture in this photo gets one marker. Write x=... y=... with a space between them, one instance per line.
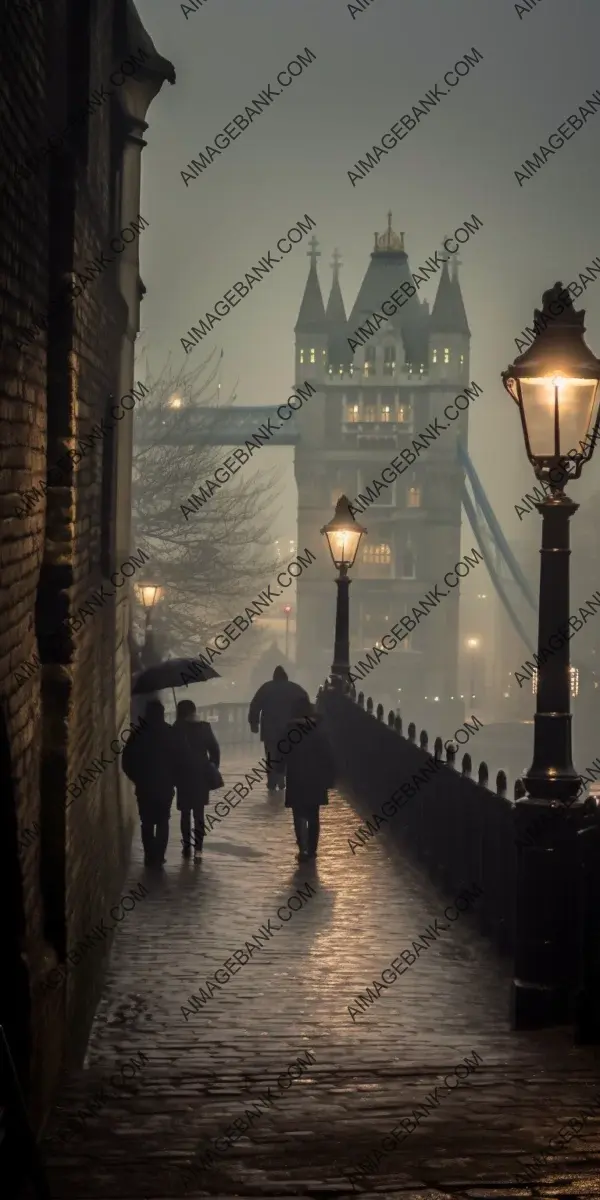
x=64 y=686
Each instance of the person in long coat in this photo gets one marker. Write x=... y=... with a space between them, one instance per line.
x=310 y=773
x=150 y=760
x=272 y=706
x=199 y=747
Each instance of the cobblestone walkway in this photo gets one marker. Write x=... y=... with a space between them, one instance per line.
x=292 y=996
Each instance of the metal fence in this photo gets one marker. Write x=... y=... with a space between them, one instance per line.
x=463 y=832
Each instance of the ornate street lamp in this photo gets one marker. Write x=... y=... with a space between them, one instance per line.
x=343 y=535
x=555 y=385
x=149 y=594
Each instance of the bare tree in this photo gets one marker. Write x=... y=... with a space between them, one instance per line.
x=216 y=560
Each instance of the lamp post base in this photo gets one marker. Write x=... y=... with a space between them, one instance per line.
x=547 y=913
x=538 y=1006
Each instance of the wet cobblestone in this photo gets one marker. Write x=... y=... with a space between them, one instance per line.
x=203 y=1074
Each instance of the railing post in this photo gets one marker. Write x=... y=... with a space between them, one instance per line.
x=587 y=1008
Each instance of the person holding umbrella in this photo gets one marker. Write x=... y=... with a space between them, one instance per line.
x=177 y=763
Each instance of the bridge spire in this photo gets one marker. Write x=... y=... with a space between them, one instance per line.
x=448 y=314
x=388 y=241
x=336 y=313
x=314 y=253
x=311 y=318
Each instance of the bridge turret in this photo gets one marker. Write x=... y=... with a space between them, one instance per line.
x=312 y=331
x=449 y=333
x=339 y=356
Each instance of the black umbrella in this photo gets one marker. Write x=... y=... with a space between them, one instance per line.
x=174 y=672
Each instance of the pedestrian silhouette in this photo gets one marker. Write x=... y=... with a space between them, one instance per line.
x=150 y=761
x=310 y=773
x=199 y=748
x=272 y=706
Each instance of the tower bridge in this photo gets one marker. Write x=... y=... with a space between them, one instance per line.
x=368 y=406
x=217 y=427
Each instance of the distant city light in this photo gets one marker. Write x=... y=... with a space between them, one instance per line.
x=175 y=400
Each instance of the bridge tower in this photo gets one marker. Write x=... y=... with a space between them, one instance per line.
x=372 y=399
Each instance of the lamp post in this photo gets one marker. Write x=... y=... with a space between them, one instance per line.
x=149 y=594
x=473 y=644
x=343 y=535
x=555 y=386
x=287 y=610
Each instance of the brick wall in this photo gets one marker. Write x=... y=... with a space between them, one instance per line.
x=61 y=865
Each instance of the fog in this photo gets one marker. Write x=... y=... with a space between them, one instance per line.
x=370 y=68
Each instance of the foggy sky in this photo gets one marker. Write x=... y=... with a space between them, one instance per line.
x=294 y=159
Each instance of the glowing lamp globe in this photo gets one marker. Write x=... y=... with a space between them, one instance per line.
x=148 y=594
x=343 y=535
x=555 y=385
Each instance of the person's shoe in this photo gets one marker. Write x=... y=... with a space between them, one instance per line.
x=302 y=856
x=197 y=856
x=187 y=852
x=148 y=860
x=311 y=854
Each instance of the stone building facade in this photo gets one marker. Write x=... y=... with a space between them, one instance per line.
x=78 y=78
x=373 y=399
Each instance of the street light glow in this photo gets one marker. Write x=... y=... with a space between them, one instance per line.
x=343 y=535
x=149 y=594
